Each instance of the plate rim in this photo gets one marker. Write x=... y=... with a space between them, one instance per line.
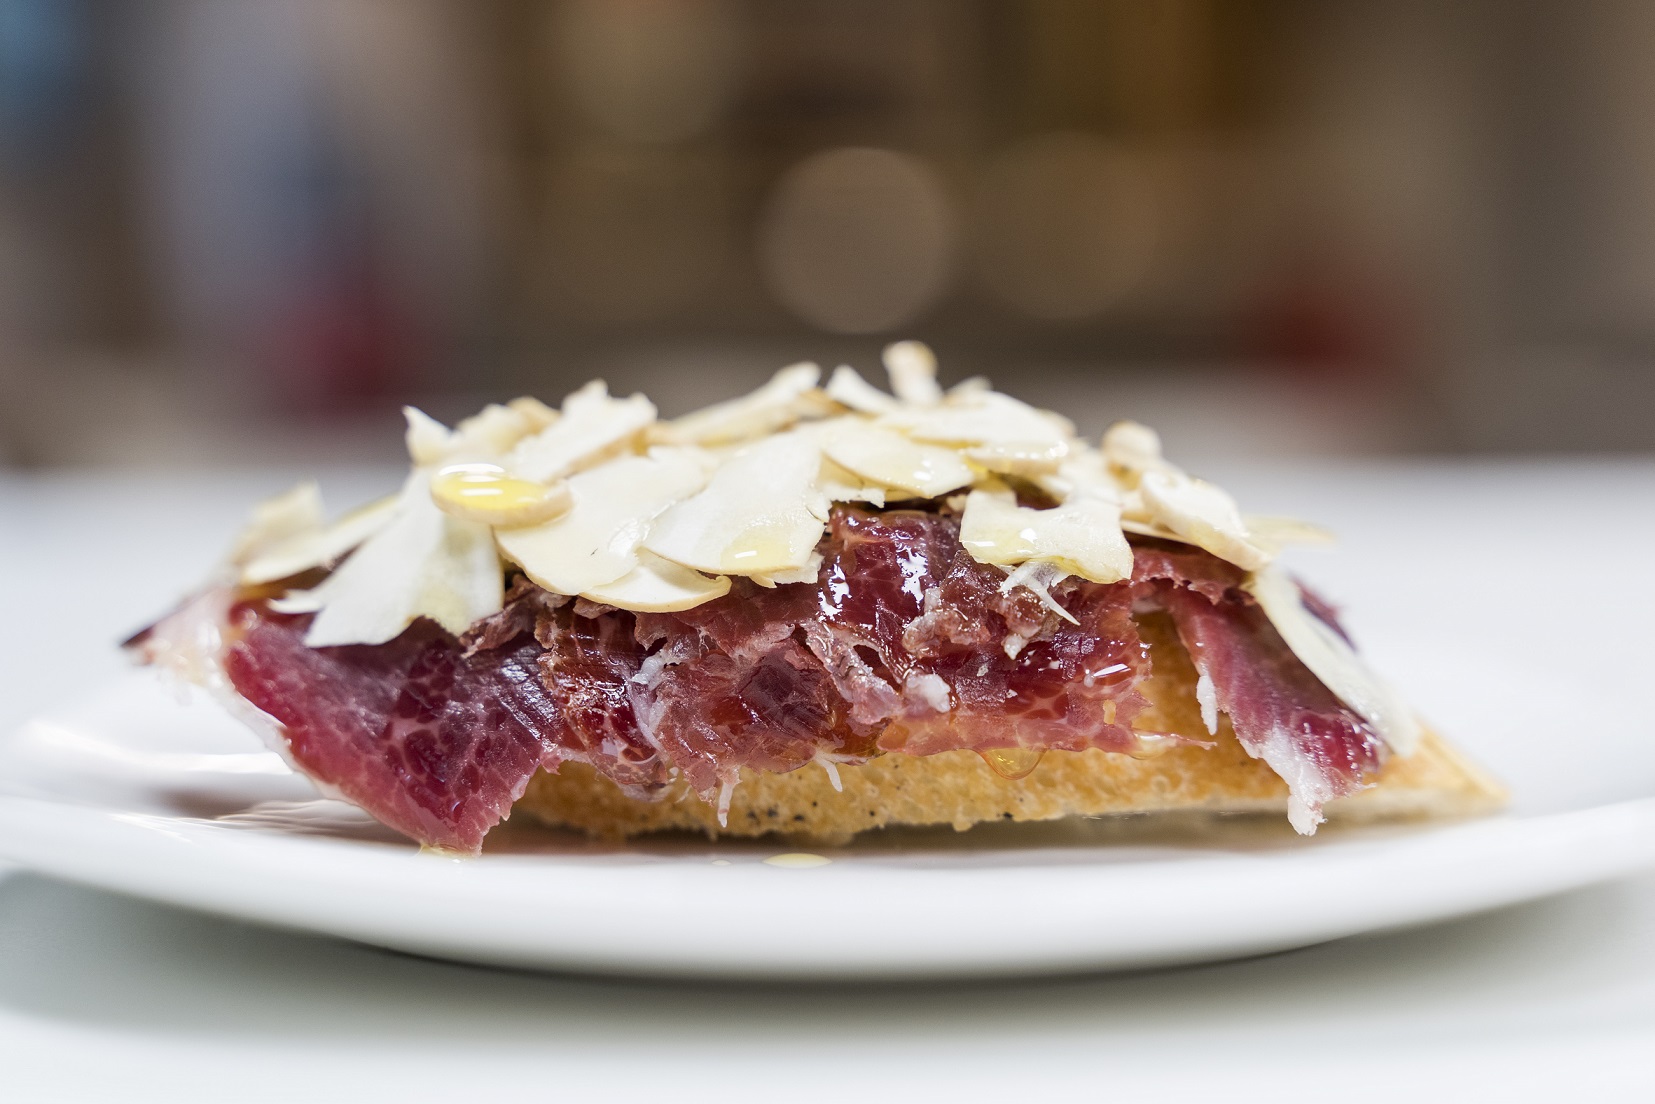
x=1050 y=907
x=325 y=886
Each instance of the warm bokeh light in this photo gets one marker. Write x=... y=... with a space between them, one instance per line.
x=1418 y=226
x=858 y=240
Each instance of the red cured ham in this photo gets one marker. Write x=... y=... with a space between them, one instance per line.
x=714 y=713
x=431 y=742
x=1280 y=711
x=904 y=642
x=589 y=665
x=972 y=665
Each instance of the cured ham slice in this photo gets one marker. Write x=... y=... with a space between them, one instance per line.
x=714 y=713
x=431 y=742
x=978 y=665
x=903 y=642
x=589 y=665
x=1280 y=711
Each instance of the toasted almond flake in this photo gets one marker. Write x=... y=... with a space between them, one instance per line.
x=486 y=435
x=423 y=563
x=318 y=547
x=280 y=518
x=612 y=506
x=659 y=586
x=1083 y=468
x=912 y=367
x=886 y=456
x=1026 y=458
x=760 y=514
x=777 y=405
x=1333 y=661
x=1148 y=528
x=839 y=484
x=1160 y=500
x=806 y=574
x=428 y=440
x=1275 y=533
x=1200 y=514
x=1132 y=449
x=494 y=430
x=847 y=388
x=593 y=425
x=535 y=412
x=992 y=422
x=1082 y=536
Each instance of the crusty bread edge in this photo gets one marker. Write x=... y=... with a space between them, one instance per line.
x=958 y=788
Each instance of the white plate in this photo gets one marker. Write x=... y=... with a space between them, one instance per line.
x=139 y=792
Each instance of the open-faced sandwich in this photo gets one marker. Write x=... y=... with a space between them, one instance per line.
x=813 y=610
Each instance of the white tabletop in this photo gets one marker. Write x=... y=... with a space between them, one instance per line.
x=106 y=998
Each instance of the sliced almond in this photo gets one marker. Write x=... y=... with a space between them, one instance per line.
x=888 y=457
x=912 y=367
x=278 y=519
x=593 y=426
x=487 y=435
x=847 y=388
x=535 y=412
x=806 y=574
x=1026 y=458
x=1275 y=533
x=494 y=430
x=1083 y=468
x=1132 y=449
x=423 y=563
x=613 y=504
x=427 y=439
x=659 y=586
x=776 y=405
x=760 y=514
x=1200 y=514
x=779 y=458
x=1082 y=536
x=318 y=547
x=992 y=426
x=1149 y=529
x=839 y=484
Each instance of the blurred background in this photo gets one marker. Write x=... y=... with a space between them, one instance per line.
x=238 y=231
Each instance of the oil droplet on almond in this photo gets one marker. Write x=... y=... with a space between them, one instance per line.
x=1012 y=763
x=764 y=545
x=486 y=493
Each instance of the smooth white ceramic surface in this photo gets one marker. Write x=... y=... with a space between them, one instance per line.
x=1451 y=593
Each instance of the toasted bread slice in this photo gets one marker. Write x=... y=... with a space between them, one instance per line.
x=961 y=789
